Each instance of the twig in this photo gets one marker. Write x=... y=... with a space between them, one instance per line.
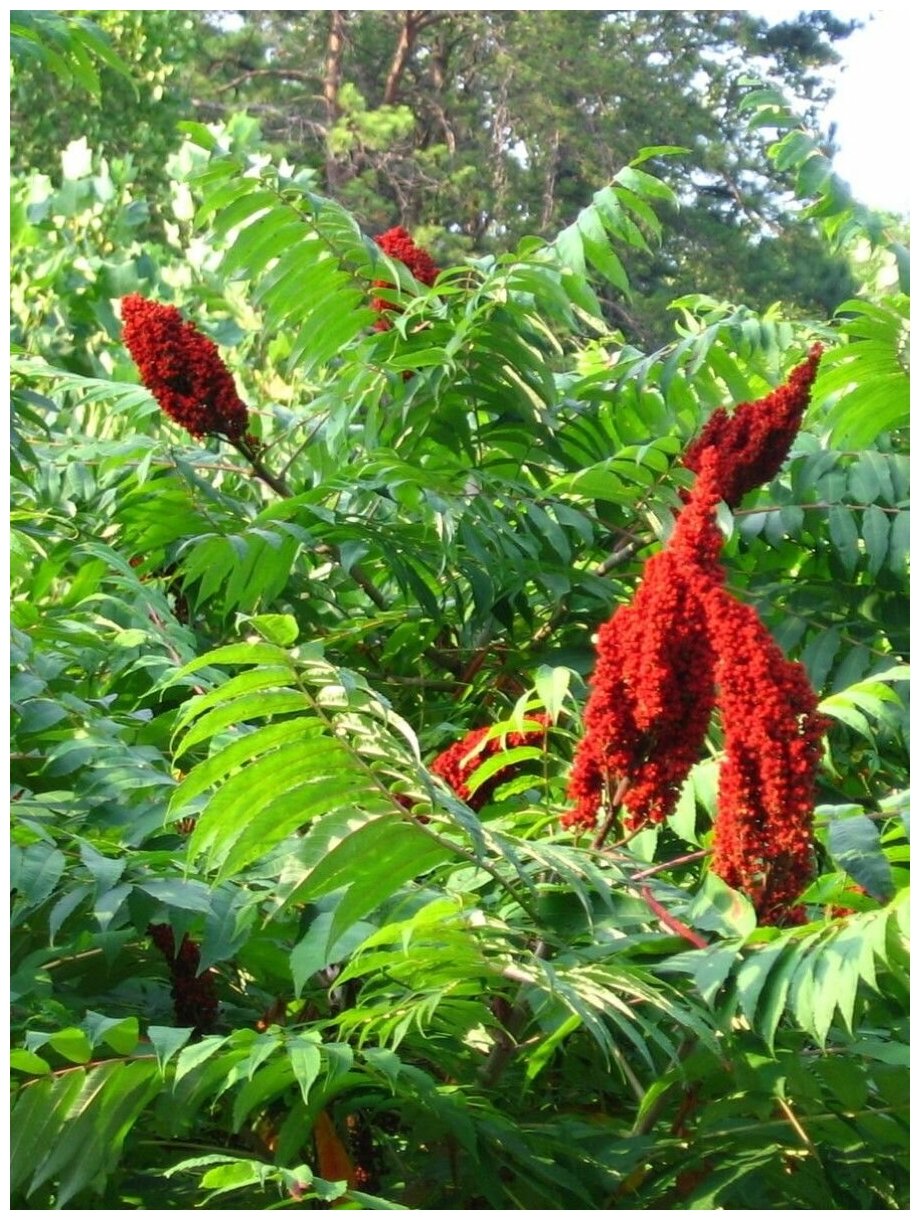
x=643 y=1125
x=278 y=485
x=624 y=551
x=478 y=862
x=427 y=683
x=670 y=922
x=628 y=838
x=874 y=815
x=660 y=868
x=778 y=508
x=84 y=1067
x=308 y=440
x=251 y=454
x=615 y=802
x=514 y=974
x=73 y=957
x=631 y=1078
x=278 y=73
x=505 y=1039
x=796 y=1125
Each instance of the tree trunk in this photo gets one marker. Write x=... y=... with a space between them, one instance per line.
x=332 y=79
x=549 y=183
x=414 y=21
x=400 y=58
x=437 y=71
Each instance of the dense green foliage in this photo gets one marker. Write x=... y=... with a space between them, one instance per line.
x=230 y=679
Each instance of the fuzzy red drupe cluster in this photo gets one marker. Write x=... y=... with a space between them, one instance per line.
x=752 y=443
x=399 y=245
x=183 y=369
x=653 y=687
x=457 y=763
x=684 y=647
x=772 y=730
x=194 y=997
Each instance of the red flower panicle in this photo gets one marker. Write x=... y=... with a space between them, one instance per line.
x=685 y=645
x=753 y=442
x=653 y=689
x=650 y=705
x=183 y=370
x=763 y=831
x=771 y=726
x=457 y=763
x=841 y=912
x=194 y=997
x=398 y=244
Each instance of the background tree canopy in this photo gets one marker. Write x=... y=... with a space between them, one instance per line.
x=459 y=753
x=474 y=129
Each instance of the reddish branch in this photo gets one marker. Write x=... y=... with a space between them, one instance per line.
x=414 y=21
x=677 y=926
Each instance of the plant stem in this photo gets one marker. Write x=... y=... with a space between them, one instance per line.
x=797 y=1126
x=482 y=863
x=279 y=486
x=449 y=844
x=643 y=1125
x=620 y=554
x=251 y=454
x=506 y=1040
x=615 y=802
x=660 y=868
x=670 y=922
x=628 y=1074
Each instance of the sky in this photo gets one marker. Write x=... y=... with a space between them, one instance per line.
x=871 y=106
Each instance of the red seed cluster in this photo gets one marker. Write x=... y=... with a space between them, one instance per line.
x=841 y=912
x=183 y=370
x=653 y=688
x=685 y=646
x=194 y=997
x=763 y=838
x=457 y=763
x=753 y=442
x=651 y=702
x=398 y=244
